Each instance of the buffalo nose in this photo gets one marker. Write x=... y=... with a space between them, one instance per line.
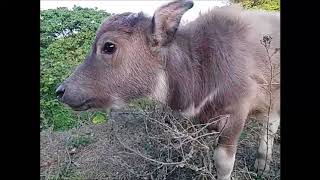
x=60 y=91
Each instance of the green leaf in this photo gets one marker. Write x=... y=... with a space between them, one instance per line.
x=99 y=118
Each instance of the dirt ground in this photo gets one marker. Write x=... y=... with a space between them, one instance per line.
x=123 y=148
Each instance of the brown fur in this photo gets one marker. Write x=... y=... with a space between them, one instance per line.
x=214 y=65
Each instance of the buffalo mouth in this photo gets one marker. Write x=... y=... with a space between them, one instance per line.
x=89 y=104
x=83 y=107
x=86 y=105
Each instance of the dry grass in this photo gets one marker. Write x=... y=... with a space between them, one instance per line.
x=135 y=144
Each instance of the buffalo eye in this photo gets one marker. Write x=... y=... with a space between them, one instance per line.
x=109 y=48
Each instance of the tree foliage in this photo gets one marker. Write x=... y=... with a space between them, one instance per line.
x=270 y=5
x=65 y=39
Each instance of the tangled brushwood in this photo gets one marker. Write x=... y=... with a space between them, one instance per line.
x=171 y=144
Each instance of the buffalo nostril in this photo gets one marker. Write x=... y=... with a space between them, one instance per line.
x=60 y=91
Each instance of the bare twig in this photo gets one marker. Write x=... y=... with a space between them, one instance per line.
x=179 y=136
x=266 y=41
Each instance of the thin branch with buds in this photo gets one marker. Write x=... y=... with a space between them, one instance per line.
x=266 y=42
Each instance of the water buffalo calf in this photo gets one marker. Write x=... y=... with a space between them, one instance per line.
x=211 y=66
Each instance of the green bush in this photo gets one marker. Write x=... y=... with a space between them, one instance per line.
x=65 y=39
x=270 y=5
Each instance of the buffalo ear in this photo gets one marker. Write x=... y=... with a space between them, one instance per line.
x=166 y=20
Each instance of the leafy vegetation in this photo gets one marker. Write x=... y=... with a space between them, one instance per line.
x=80 y=140
x=270 y=5
x=66 y=37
